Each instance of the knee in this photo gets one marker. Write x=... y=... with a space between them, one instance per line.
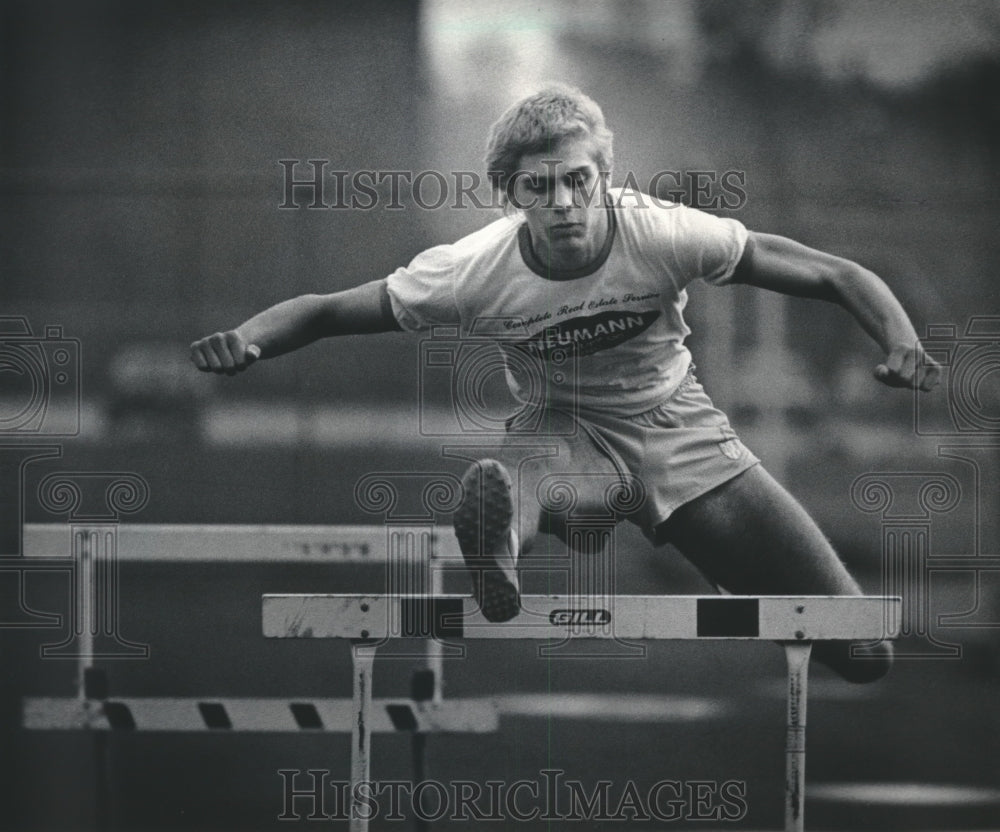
x=860 y=666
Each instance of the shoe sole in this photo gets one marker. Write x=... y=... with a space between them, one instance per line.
x=487 y=489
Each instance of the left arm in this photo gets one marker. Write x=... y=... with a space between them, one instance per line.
x=783 y=265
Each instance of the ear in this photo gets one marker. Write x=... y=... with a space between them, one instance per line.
x=508 y=208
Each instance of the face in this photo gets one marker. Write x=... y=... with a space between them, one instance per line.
x=561 y=194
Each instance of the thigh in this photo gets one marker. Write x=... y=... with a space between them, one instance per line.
x=750 y=536
x=560 y=475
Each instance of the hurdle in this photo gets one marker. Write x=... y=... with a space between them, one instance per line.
x=416 y=554
x=91 y=554
x=794 y=621
x=93 y=567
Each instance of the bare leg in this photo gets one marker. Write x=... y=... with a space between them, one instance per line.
x=751 y=537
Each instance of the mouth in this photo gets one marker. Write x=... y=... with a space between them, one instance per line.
x=566 y=227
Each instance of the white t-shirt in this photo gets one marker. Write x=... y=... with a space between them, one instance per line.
x=609 y=337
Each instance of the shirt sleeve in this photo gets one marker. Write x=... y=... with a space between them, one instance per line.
x=422 y=294
x=705 y=247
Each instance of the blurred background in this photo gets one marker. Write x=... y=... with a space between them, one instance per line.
x=145 y=203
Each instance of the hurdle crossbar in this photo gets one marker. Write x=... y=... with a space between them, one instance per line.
x=656 y=617
x=796 y=621
x=177 y=542
x=261 y=714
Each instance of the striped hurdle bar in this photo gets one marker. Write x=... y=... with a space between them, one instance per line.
x=796 y=622
x=267 y=715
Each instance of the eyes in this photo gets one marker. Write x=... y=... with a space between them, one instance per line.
x=532 y=188
x=575 y=180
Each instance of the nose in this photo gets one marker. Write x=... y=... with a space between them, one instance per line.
x=562 y=196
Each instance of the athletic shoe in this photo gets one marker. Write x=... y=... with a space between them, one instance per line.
x=487 y=540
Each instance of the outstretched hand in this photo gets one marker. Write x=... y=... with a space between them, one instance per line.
x=910 y=367
x=223 y=352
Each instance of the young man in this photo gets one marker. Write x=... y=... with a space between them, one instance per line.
x=578 y=269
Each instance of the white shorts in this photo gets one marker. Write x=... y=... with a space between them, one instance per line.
x=676 y=451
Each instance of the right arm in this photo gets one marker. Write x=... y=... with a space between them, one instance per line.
x=293 y=324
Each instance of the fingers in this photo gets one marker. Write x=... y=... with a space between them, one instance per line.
x=930 y=374
x=198 y=357
x=224 y=361
x=892 y=378
x=909 y=367
x=223 y=353
x=882 y=374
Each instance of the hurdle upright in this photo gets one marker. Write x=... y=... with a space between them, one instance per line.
x=794 y=621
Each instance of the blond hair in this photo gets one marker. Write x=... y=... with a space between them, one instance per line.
x=540 y=121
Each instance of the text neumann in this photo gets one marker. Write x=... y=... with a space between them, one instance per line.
x=552 y=338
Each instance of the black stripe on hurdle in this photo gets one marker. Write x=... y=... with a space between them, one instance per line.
x=728 y=617
x=214 y=714
x=431 y=617
x=306 y=715
x=119 y=716
x=402 y=717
